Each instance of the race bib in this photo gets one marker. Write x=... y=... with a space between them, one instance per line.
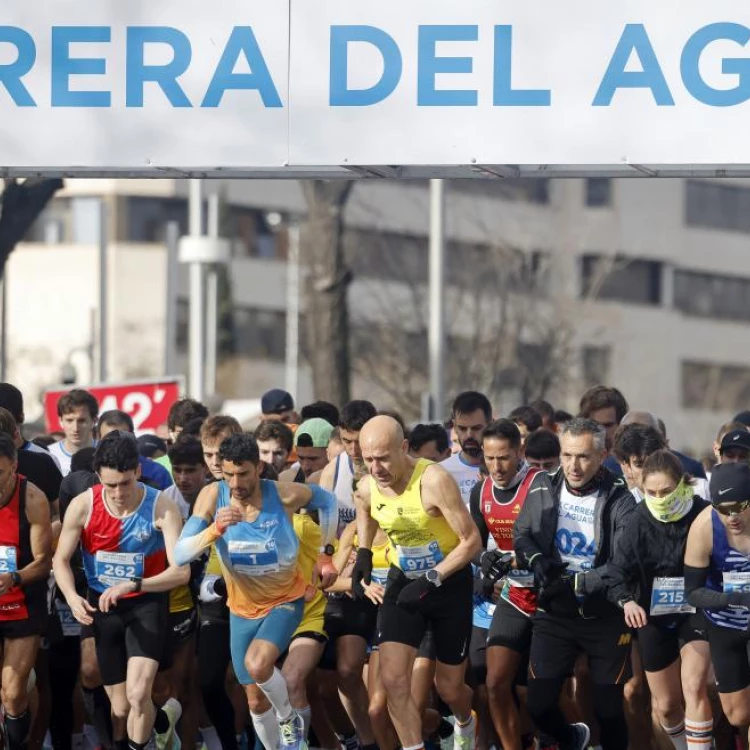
x=70 y=626
x=524 y=579
x=414 y=561
x=668 y=597
x=113 y=568
x=380 y=575
x=8 y=560
x=737 y=580
x=254 y=558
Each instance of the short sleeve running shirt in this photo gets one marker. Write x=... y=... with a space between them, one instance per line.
x=466 y=475
x=575 y=537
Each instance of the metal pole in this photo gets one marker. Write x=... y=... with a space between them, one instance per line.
x=197 y=301
x=173 y=282
x=4 y=326
x=292 y=312
x=103 y=290
x=437 y=297
x=212 y=300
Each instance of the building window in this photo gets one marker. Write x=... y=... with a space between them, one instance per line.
x=595 y=365
x=621 y=279
x=714 y=206
x=53 y=225
x=711 y=296
x=598 y=192
x=707 y=385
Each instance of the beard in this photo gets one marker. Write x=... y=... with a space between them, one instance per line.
x=472 y=448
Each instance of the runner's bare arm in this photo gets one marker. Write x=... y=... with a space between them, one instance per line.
x=40 y=533
x=169 y=520
x=70 y=536
x=200 y=530
x=327 y=475
x=440 y=491
x=296 y=496
x=367 y=526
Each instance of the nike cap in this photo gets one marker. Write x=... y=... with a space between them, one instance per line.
x=730 y=483
x=314 y=433
x=735 y=439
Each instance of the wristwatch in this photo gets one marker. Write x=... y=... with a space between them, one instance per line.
x=138 y=584
x=625 y=599
x=433 y=577
x=15 y=579
x=329 y=549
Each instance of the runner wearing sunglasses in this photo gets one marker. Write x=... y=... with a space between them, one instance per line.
x=717 y=580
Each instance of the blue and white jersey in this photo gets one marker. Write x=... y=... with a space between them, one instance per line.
x=575 y=538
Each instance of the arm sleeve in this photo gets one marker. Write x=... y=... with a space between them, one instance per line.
x=702 y=597
x=476 y=513
x=196 y=537
x=327 y=505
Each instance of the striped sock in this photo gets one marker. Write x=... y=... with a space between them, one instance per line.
x=677 y=735
x=699 y=734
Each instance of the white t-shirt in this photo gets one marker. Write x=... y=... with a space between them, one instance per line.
x=174 y=494
x=575 y=530
x=63 y=458
x=466 y=475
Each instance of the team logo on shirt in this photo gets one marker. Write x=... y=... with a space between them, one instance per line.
x=142 y=535
x=488 y=507
x=516 y=509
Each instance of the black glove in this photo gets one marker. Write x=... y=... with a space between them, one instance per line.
x=412 y=596
x=362 y=571
x=495 y=564
x=546 y=570
x=559 y=597
x=483 y=588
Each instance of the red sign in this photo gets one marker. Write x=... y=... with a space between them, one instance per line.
x=147 y=402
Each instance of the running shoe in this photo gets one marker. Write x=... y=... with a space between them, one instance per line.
x=169 y=740
x=293 y=733
x=467 y=738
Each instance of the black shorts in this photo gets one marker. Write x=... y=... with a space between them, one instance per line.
x=346 y=616
x=447 y=611
x=730 y=654
x=213 y=612
x=510 y=628
x=426 y=648
x=478 y=656
x=182 y=626
x=662 y=639
x=556 y=642
x=137 y=626
x=13 y=629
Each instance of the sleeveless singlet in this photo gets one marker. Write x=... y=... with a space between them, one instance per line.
x=342 y=488
x=726 y=560
x=15 y=554
x=499 y=516
x=259 y=558
x=114 y=550
x=418 y=541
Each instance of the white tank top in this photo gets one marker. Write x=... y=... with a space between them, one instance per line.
x=342 y=488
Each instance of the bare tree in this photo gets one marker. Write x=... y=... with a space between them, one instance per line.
x=20 y=205
x=328 y=279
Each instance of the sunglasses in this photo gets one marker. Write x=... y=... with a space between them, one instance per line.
x=732 y=509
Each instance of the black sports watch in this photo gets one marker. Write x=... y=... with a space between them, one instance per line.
x=15 y=578
x=138 y=584
x=329 y=550
x=433 y=577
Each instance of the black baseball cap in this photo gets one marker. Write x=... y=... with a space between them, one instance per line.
x=276 y=401
x=743 y=417
x=735 y=439
x=150 y=444
x=730 y=483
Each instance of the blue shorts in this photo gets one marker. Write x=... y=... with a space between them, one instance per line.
x=277 y=627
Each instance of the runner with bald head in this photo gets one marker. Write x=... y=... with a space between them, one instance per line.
x=433 y=540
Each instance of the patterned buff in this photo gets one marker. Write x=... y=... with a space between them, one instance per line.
x=674 y=506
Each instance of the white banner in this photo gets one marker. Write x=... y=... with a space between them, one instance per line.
x=235 y=85
x=143 y=84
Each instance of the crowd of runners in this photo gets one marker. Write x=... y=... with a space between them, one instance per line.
x=335 y=579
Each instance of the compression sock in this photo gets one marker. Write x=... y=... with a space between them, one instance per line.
x=275 y=689
x=306 y=714
x=676 y=735
x=267 y=728
x=698 y=734
x=17 y=728
x=211 y=738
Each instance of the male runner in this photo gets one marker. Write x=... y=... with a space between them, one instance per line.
x=127 y=533
x=471 y=413
x=77 y=411
x=418 y=505
x=277 y=405
x=527 y=419
x=12 y=400
x=495 y=505
x=542 y=450
x=186 y=411
x=311 y=441
x=566 y=533
x=275 y=442
x=25 y=553
x=250 y=522
x=429 y=441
